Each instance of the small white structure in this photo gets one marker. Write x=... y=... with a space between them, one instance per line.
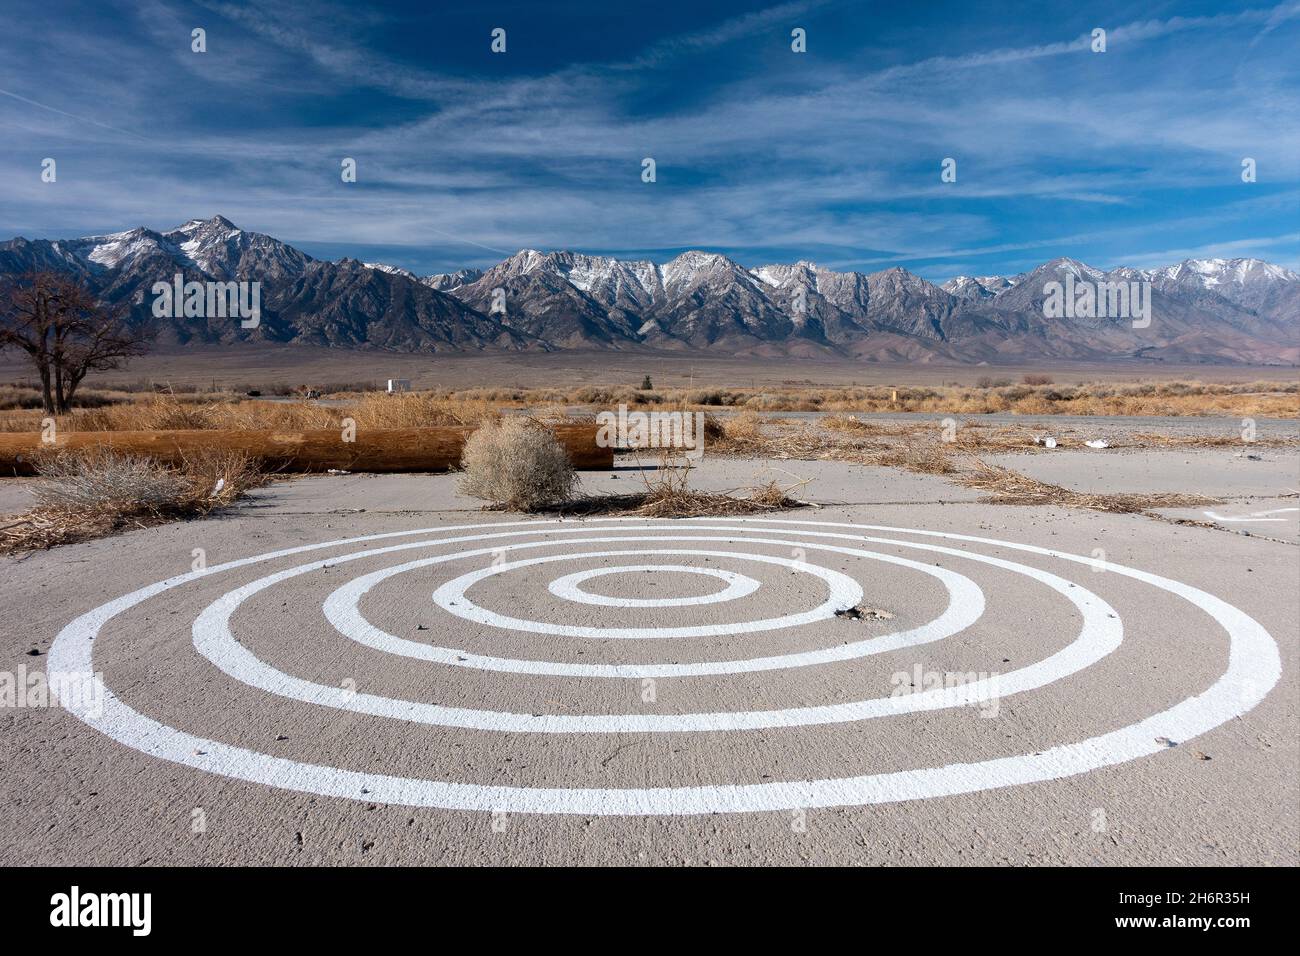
x=396 y=385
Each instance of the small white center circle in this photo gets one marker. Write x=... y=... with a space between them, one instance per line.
x=569 y=587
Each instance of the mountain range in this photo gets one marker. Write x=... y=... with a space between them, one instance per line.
x=1228 y=311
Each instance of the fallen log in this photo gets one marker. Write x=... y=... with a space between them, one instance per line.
x=373 y=449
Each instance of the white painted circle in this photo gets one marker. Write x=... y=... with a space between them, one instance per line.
x=1254 y=667
x=964 y=608
x=844 y=592
x=1100 y=634
x=569 y=587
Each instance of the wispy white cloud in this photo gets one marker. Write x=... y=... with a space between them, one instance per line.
x=1057 y=147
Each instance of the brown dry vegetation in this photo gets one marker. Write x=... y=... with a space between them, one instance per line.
x=668 y=494
x=89 y=494
x=921 y=449
x=160 y=493
x=1263 y=399
x=122 y=410
x=515 y=465
x=1008 y=487
x=164 y=412
x=974 y=435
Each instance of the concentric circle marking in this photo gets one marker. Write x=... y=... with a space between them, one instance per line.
x=1254 y=667
x=965 y=605
x=569 y=587
x=451 y=597
x=1100 y=634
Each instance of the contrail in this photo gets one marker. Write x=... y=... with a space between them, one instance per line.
x=23 y=99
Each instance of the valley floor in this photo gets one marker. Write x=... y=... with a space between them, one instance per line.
x=265 y=366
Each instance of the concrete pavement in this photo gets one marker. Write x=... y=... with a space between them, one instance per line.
x=1059 y=691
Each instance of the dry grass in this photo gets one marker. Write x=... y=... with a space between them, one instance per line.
x=1008 y=487
x=120 y=410
x=515 y=464
x=91 y=493
x=927 y=459
x=13 y=397
x=745 y=427
x=668 y=494
x=920 y=449
x=1173 y=398
x=849 y=437
x=166 y=412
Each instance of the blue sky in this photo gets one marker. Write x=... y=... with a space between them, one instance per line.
x=1132 y=156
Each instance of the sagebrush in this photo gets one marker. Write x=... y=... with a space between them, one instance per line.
x=93 y=492
x=517 y=464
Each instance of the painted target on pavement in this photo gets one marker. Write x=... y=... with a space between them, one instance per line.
x=724 y=567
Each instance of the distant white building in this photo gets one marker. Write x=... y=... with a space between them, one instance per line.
x=396 y=385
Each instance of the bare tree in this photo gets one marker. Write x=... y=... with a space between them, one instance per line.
x=65 y=332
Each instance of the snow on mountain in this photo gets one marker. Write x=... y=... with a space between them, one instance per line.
x=222 y=249
x=967 y=288
x=996 y=284
x=391 y=270
x=1265 y=291
x=1215 y=272
x=447 y=281
x=122 y=248
x=215 y=247
x=1224 y=309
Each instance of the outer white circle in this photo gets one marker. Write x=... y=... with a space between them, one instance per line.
x=569 y=587
x=1254 y=667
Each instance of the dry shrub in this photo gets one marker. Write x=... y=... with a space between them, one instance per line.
x=773 y=496
x=668 y=495
x=218 y=477
x=93 y=492
x=106 y=481
x=515 y=464
x=745 y=427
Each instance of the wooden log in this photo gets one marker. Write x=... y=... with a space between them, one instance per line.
x=375 y=449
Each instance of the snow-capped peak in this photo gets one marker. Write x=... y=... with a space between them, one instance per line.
x=118 y=247
x=391 y=270
x=193 y=225
x=1218 y=274
x=975 y=288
